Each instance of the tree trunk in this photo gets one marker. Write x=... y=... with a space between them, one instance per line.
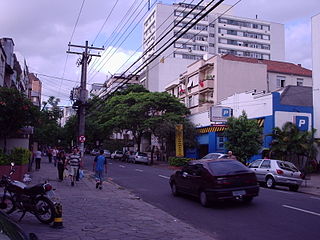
x=138 y=139
x=5 y=144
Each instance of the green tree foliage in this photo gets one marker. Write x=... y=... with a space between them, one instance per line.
x=244 y=137
x=139 y=111
x=48 y=131
x=16 y=111
x=292 y=145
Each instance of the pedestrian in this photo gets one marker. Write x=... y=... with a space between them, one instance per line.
x=100 y=167
x=54 y=156
x=231 y=156
x=61 y=164
x=74 y=161
x=50 y=155
x=37 y=156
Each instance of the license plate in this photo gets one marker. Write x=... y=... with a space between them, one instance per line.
x=239 y=193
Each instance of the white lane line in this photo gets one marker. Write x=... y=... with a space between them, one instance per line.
x=277 y=191
x=122 y=166
x=315 y=198
x=110 y=163
x=302 y=210
x=139 y=170
x=164 y=176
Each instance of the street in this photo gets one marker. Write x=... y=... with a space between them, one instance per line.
x=274 y=214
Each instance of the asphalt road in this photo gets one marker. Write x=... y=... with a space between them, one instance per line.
x=274 y=214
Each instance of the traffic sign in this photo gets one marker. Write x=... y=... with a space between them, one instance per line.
x=82 y=139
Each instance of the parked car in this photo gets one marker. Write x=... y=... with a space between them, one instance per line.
x=214 y=156
x=94 y=152
x=106 y=153
x=213 y=180
x=141 y=157
x=117 y=155
x=273 y=172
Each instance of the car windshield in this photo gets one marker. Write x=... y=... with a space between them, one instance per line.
x=227 y=167
x=287 y=166
x=142 y=154
x=212 y=156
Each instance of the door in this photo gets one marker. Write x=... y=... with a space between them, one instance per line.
x=265 y=169
x=203 y=150
x=255 y=167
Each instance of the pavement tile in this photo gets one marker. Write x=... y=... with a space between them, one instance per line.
x=110 y=213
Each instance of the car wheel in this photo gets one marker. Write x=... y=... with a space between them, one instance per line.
x=294 y=188
x=270 y=182
x=204 y=199
x=174 y=190
x=247 y=199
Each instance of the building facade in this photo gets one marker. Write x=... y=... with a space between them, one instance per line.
x=34 y=90
x=216 y=33
x=207 y=82
x=274 y=109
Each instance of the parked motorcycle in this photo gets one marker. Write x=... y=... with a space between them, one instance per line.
x=35 y=199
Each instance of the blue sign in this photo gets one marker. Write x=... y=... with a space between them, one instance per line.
x=302 y=123
x=226 y=112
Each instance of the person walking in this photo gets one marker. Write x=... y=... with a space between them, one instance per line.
x=61 y=164
x=54 y=156
x=50 y=155
x=74 y=161
x=37 y=156
x=100 y=167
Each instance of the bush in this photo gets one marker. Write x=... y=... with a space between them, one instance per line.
x=20 y=156
x=176 y=161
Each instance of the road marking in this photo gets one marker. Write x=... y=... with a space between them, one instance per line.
x=139 y=170
x=164 y=176
x=110 y=163
x=302 y=210
x=280 y=191
x=122 y=166
x=315 y=198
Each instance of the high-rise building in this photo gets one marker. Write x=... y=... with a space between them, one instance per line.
x=220 y=32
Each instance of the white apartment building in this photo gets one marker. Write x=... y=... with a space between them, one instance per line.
x=67 y=112
x=316 y=71
x=206 y=83
x=217 y=33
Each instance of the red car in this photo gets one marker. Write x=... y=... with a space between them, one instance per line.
x=213 y=180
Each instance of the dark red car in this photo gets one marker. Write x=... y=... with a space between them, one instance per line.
x=213 y=180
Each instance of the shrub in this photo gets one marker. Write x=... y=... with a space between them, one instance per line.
x=19 y=156
x=176 y=161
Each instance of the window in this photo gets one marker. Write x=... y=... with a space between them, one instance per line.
x=255 y=164
x=299 y=81
x=220 y=141
x=226 y=167
x=281 y=80
x=266 y=164
x=190 y=101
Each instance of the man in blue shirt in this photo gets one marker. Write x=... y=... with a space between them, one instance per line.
x=100 y=167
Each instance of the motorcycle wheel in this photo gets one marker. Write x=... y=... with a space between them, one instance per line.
x=44 y=210
x=7 y=206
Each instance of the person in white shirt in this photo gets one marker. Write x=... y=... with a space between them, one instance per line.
x=54 y=155
x=37 y=156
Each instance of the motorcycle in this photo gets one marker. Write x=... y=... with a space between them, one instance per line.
x=35 y=199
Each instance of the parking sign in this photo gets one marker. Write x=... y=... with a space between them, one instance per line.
x=302 y=122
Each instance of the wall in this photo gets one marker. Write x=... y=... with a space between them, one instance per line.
x=316 y=71
x=15 y=142
x=277 y=42
x=290 y=80
x=235 y=76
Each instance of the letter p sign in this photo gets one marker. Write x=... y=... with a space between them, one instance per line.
x=302 y=123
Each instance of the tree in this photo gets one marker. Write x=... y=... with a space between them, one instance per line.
x=291 y=144
x=139 y=112
x=16 y=111
x=244 y=137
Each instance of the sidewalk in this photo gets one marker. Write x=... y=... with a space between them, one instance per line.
x=311 y=186
x=110 y=213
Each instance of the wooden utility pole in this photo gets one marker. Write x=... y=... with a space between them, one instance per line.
x=82 y=98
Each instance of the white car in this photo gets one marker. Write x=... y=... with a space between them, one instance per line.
x=215 y=156
x=141 y=157
x=117 y=155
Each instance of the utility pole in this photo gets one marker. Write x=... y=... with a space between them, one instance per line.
x=82 y=97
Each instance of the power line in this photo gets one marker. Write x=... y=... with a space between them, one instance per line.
x=110 y=49
x=59 y=78
x=175 y=37
x=119 y=24
x=105 y=21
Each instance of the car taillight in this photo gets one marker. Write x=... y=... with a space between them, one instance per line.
x=47 y=187
x=223 y=181
x=279 y=171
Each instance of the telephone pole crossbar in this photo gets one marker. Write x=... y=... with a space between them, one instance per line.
x=82 y=98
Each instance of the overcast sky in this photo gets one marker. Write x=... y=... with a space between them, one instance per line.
x=41 y=30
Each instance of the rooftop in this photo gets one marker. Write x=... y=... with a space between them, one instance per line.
x=273 y=66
